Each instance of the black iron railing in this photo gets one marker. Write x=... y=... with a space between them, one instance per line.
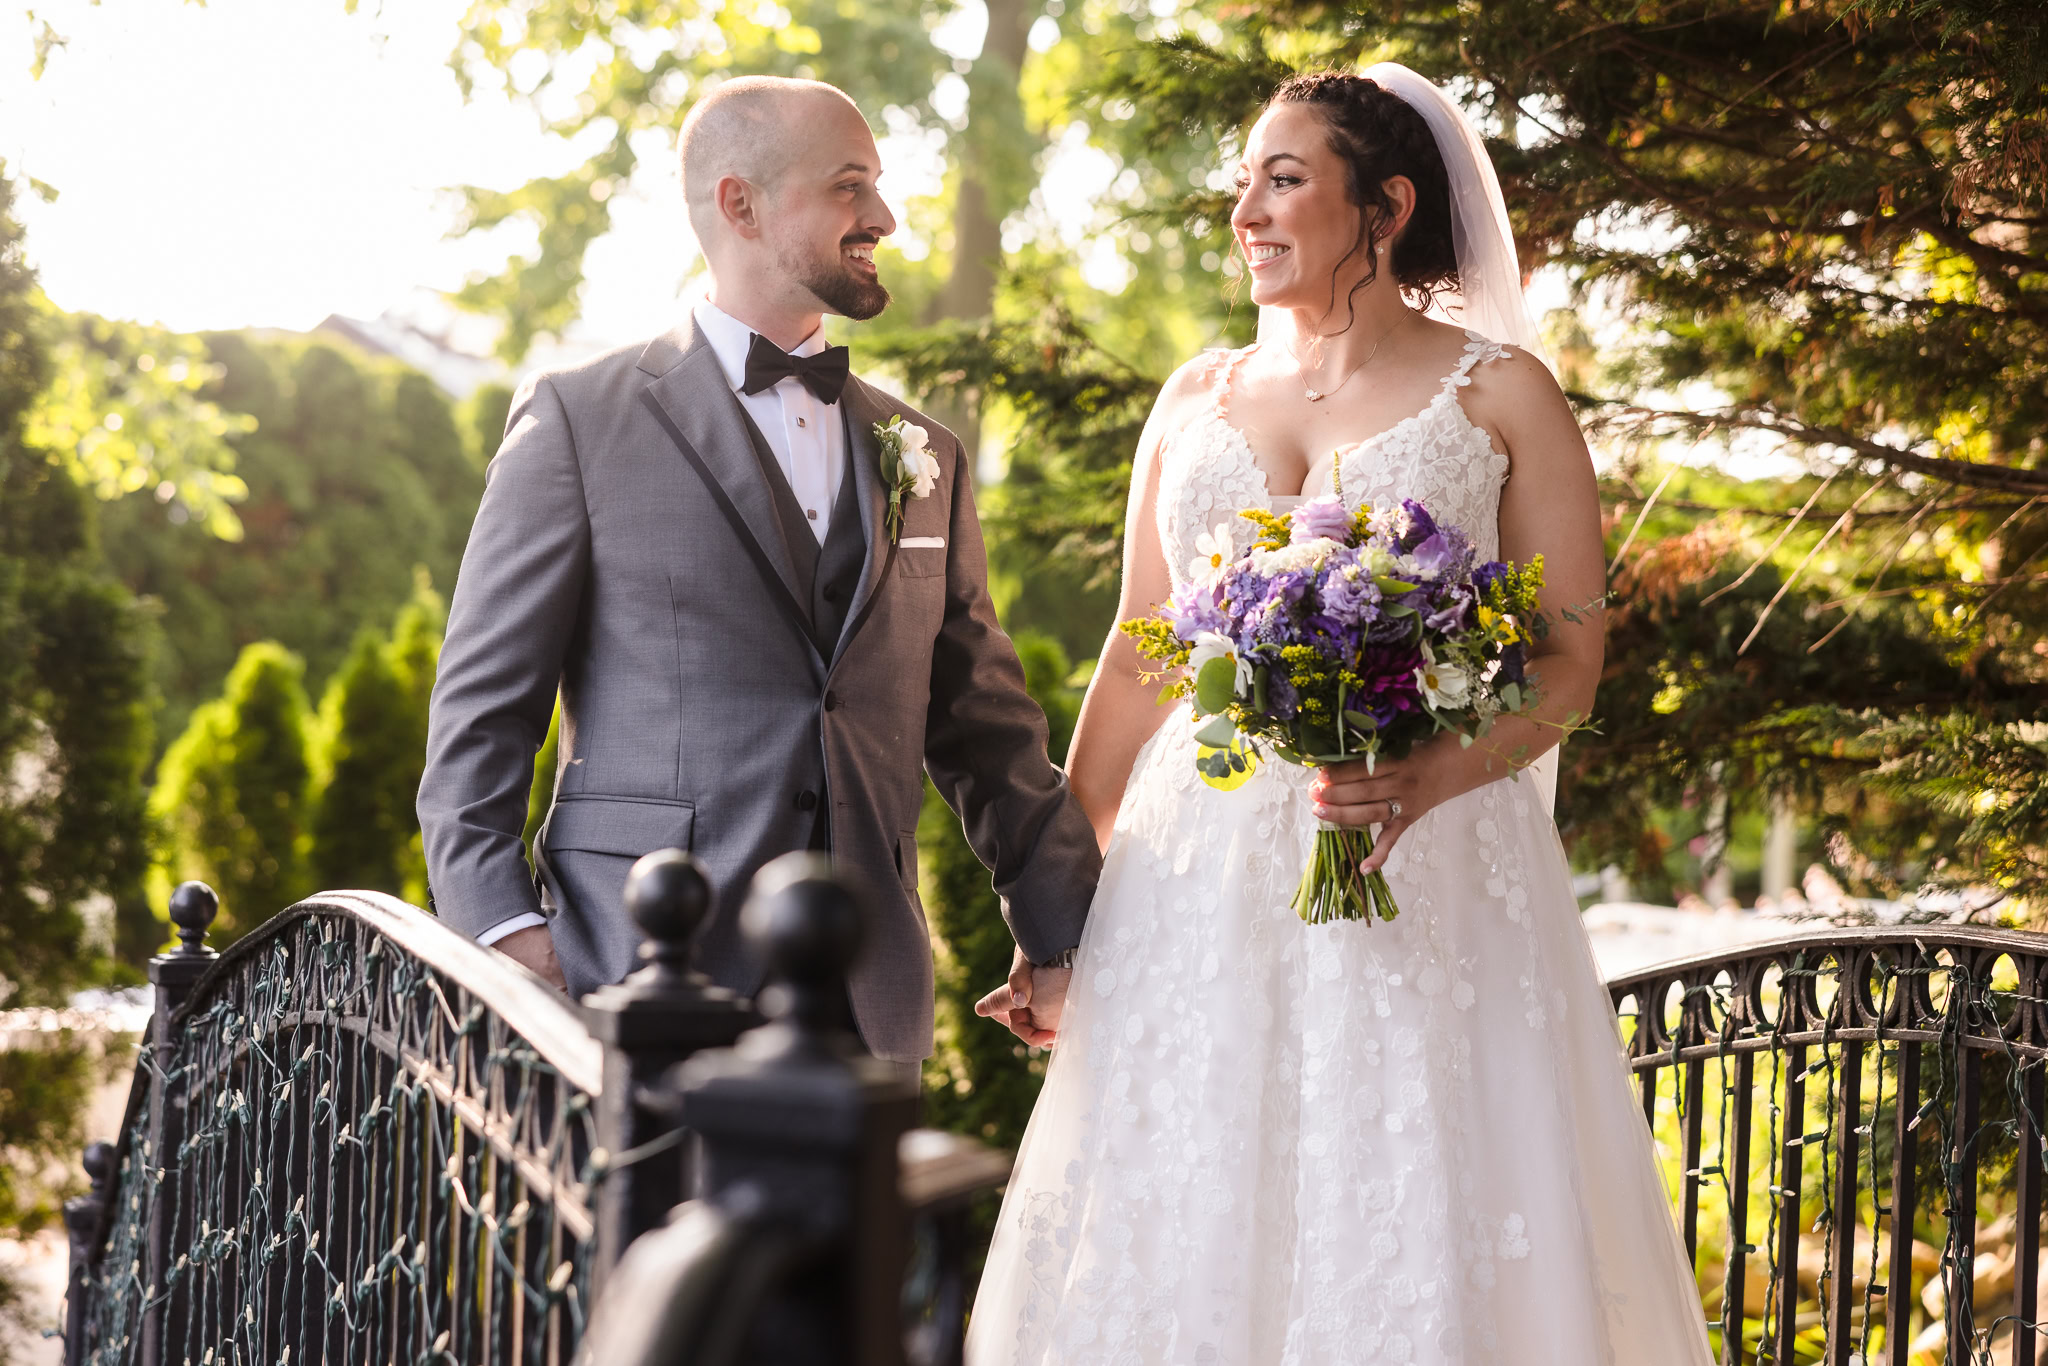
x=1856 y=1118
x=358 y=1135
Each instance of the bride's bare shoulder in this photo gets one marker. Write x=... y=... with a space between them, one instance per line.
x=1193 y=387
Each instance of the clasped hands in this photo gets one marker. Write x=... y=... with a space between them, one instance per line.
x=1030 y=1004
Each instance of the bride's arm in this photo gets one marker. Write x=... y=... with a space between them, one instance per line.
x=1550 y=507
x=1118 y=715
x=1120 y=711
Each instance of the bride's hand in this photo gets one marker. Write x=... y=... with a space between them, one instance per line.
x=1394 y=795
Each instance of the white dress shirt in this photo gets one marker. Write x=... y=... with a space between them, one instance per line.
x=807 y=436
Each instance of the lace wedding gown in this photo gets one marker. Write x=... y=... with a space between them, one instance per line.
x=1263 y=1142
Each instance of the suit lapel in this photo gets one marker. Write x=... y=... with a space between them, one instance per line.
x=695 y=405
x=864 y=408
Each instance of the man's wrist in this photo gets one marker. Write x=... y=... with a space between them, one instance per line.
x=525 y=920
x=1063 y=959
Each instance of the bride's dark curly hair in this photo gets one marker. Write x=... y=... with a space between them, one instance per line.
x=1380 y=135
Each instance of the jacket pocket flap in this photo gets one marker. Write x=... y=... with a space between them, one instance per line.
x=611 y=826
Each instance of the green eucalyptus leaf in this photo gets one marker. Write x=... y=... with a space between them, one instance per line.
x=1220 y=731
x=1215 y=686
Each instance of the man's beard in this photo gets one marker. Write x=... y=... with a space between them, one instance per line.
x=836 y=286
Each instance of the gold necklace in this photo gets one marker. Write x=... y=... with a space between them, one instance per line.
x=1314 y=395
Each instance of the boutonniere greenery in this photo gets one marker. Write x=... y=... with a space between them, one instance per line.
x=908 y=467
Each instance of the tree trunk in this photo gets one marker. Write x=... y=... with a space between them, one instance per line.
x=969 y=291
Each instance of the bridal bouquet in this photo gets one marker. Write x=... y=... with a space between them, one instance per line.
x=1336 y=637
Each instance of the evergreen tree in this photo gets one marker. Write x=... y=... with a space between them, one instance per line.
x=74 y=737
x=981 y=1080
x=366 y=774
x=74 y=723
x=1825 y=220
x=415 y=653
x=358 y=475
x=231 y=793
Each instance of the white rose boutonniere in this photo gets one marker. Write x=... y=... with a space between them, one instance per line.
x=908 y=467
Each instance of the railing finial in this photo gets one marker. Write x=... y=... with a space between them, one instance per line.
x=669 y=898
x=664 y=1012
x=99 y=1166
x=807 y=926
x=193 y=908
x=82 y=1215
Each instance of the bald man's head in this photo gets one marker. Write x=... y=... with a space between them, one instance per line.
x=780 y=179
x=751 y=127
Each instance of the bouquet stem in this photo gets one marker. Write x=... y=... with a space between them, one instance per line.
x=1332 y=888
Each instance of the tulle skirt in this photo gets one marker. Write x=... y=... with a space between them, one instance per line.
x=1265 y=1142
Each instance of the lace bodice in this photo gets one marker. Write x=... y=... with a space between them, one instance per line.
x=1439 y=457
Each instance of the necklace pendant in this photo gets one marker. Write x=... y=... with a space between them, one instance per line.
x=1312 y=395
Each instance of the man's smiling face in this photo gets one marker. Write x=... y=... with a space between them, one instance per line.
x=826 y=215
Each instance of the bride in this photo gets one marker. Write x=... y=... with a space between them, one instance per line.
x=1405 y=1142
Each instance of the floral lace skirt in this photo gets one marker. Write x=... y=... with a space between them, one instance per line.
x=1265 y=1142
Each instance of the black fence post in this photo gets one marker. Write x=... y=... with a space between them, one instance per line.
x=795 y=1253
x=801 y=1127
x=82 y=1216
x=193 y=907
x=662 y=1014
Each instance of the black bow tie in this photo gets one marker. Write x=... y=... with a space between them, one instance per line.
x=823 y=374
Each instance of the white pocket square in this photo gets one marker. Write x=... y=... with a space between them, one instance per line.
x=922 y=543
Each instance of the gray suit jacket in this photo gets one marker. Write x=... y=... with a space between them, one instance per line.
x=627 y=553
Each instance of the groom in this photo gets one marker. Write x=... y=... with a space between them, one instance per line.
x=691 y=541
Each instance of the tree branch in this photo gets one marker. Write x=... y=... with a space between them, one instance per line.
x=2003 y=478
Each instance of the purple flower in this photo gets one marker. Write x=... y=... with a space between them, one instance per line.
x=1355 y=602
x=1325 y=517
x=1281 y=698
x=1450 y=613
x=1484 y=576
x=1421 y=526
x=1388 y=629
x=1436 y=557
x=1513 y=661
x=1195 y=608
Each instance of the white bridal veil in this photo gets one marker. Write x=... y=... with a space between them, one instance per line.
x=1488 y=299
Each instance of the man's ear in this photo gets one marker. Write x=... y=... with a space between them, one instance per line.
x=739 y=205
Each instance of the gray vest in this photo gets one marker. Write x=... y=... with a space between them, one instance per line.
x=826 y=574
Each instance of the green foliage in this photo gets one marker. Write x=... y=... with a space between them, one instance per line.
x=542 y=794
x=125 y=409
x=44 y=1090
x=1070 y=414
x=369 y=753
x=369 y=749
x=981 y=1080
x=1976 y=792
x=358 y=475
x=641 y=65
x=483 y=415
x=74 y=721
x=232 y=793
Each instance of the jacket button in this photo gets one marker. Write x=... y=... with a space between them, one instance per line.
x=806 y=800
x=831 y=701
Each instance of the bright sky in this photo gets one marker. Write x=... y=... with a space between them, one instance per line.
x=268 y=162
